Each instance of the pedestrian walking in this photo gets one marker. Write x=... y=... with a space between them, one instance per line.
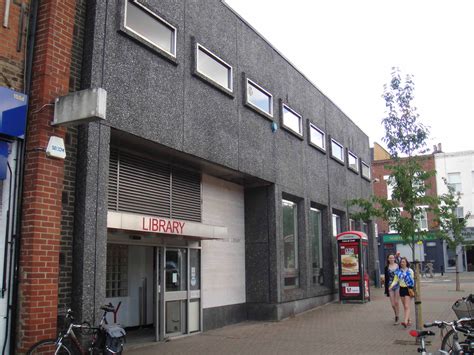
x=404 y=278
x=398 y=258
x=390 y=268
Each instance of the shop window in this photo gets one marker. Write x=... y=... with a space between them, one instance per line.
x=365 y=170
x=337 y=151
x=292 y=120
x=290 y=244
x=317 y=137
x=316 y=243
x=353 y=161
x=213 y=68
x=454 y=180
x=150 y=27
x=117 y=271
x=258 y=98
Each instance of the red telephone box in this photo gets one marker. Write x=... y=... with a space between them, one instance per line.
x=353 y=259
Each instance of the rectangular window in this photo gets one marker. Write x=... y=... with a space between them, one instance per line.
x=390 y=186
x=423 y=220
x=116 y=271
x=353 y=161
x=259 y=98
x=454 y=180
x=392 y=227
x=150 y=27
x=317 y=137
x=290 y=244
x=352 y=225
x=365 y=170
x=316 y=242
x=460 y=212
x=336 y=224
x=337 y=150
x=292 y=120
x=213 y=68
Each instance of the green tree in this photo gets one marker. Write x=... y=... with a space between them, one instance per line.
x=406 y=139
x=451 y=225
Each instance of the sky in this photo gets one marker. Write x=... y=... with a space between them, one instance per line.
x=347 y=49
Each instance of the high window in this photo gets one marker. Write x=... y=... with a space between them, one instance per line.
x=365 y=170
x=316 y=242
x=392 y=227
x=150 y=27
x=259 y=98
x=454 y=180
x=117 y=271
x=317 y=137
x=353 y=161
x=292 y=120
x=390 y=186
x=337 y=150
x=423 y=219
x=213 y=68
x=290 y=244
x=460 y=212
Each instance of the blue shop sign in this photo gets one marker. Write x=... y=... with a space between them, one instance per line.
x=13 y=111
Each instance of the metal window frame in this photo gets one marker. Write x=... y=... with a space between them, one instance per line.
x=353 y=155
x=363 y=163
x=159 y=18
x=230 y=76
x=320 y=232
x=262 y=90
x=313 y=126
x=333 y=141
x=288 y=108
x=295 y=271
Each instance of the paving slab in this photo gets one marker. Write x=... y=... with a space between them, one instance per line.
x=330 y=329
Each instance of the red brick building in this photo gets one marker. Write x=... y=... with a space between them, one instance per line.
x=389 y=240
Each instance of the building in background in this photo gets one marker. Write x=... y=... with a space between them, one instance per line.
x=458 y=170
x=389 y=241
x=14 y=91
x=210 y=192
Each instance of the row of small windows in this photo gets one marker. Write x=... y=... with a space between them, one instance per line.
x=159 y=33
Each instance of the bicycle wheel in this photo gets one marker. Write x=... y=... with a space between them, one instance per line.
x=447 y=344
x=48 y=347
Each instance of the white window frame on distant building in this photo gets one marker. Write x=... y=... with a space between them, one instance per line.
x=354 y=166
x=365 y=170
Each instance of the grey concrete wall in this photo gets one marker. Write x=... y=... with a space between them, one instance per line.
x=159 y=99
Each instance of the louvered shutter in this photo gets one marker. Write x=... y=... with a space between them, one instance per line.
x=186 y=195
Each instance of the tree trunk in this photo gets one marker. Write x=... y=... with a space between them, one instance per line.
x=418 y=310
x=458 y=282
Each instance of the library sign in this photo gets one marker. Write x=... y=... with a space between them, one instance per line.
x=159 y=225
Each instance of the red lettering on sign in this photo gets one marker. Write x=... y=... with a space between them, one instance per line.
x=162 y=226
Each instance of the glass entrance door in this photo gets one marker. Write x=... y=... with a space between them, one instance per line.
x=176 y=284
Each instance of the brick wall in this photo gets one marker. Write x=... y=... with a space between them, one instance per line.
x=12 y=60
x=43 y=177
x=68 y=196
x=379 y=170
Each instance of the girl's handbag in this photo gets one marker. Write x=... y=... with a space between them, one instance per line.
x=411 y=293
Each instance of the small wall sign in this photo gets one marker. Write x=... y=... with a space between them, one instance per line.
x=56 y=148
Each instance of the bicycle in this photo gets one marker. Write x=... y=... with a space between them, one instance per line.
x=451 y=344
x=106 y=339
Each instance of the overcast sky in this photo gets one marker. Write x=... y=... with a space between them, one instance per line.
x=347 y=49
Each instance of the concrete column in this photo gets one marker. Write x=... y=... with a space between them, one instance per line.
x=90 y=230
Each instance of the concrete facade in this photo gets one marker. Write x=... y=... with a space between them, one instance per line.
x=159 y=102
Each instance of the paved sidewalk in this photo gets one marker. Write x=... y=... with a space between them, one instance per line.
x=331 y=329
